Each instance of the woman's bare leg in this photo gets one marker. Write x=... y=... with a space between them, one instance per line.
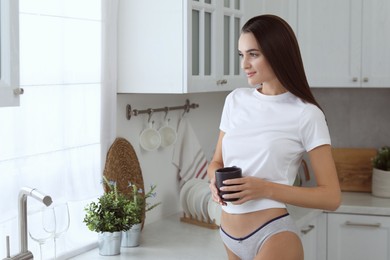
x=231 y=255
x=284 y=245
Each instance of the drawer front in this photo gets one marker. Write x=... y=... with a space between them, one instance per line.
x=355 y=237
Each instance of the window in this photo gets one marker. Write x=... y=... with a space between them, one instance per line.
x=52 y=140
x=9 y=53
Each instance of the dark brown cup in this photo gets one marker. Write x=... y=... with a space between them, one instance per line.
x=225 y=174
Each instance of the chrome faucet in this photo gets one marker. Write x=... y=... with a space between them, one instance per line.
x=24 y=254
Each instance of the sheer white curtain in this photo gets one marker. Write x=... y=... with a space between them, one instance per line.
x=56 y=139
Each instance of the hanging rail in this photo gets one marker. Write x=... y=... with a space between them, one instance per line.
x=150 y=111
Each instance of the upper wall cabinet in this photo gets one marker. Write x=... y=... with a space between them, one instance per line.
x=345 y=43
x=287 y=9
x=9 y=53
x=179 y=46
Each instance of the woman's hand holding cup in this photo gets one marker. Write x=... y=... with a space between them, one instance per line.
x=223 y=174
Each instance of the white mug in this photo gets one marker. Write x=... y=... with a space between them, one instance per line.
x=168 y=135
x=150 y=138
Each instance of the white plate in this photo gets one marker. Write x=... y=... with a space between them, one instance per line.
x=214 y=210
x=195 y=201
x=210 y=208
x=184 y=194
x=206 y=193
x=197 y=198
x=217 y=214
x=191 y=203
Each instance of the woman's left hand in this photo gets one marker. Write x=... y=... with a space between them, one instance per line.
x=245 y=189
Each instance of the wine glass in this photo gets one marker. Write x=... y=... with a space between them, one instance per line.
x=41 y=226
x=61 y=213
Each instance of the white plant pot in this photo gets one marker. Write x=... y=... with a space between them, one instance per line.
x=381 y=183
x=131 y=237
x=110 y=243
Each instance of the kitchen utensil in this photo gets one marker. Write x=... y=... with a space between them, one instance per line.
x=354 y=168
x=42 y=227
x=123 y=167
x=214 y=211
x=184 y=194
x=150 y=138
x=168 y=134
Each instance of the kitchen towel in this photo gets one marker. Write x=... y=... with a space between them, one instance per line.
x=188 y=155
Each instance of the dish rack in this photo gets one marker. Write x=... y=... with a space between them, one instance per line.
x=207 y=223
x=198 y=207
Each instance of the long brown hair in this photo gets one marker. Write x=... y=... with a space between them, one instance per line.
x=280 y=47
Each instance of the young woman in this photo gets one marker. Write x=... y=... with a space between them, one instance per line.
x=265 y=131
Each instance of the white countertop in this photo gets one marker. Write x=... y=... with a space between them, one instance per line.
x=364 y=203
x=170 y=238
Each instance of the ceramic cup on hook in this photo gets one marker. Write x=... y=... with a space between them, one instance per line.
x=168 y=134
x=150 y=138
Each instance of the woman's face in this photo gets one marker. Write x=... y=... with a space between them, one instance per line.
x=253 y=62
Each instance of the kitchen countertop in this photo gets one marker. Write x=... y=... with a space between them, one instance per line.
x=364 y=203
x=170 y=238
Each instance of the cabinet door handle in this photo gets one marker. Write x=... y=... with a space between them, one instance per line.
x=308 y=229
x=365 y=79
x=18 y=91
x=355 y=224
x=354 y=79
x=221 y=82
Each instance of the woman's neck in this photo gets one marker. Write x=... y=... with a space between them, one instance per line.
x=272 y=90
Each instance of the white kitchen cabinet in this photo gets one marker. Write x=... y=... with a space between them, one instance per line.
x=313 y=236
x=179 y=46
x=286 y=9
x=345 y=43
x=9 y=53
x=358 y=237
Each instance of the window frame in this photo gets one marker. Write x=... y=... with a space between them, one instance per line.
x=9 y=53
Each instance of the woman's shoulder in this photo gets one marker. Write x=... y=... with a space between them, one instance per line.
x=311 y=111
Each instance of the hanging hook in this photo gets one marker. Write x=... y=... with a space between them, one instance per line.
x=166 y=110
x=186 y=107
x=150 y=112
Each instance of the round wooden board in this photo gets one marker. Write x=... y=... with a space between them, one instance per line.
x=122 y=166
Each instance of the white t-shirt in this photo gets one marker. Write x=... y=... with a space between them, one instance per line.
x=266 y=136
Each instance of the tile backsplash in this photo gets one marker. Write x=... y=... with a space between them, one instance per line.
x=358 y=117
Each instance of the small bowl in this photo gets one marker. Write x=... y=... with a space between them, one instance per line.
x=150 y=139
x=168 y=135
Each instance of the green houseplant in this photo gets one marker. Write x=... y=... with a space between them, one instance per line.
x=109 y=216
x=381 y=173
x=139 y=202
x=111 y=213
x=382 y=159
x=138 y=205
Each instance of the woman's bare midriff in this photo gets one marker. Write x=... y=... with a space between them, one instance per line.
x=241 y=225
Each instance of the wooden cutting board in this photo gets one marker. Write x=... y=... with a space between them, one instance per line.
x=354 y=168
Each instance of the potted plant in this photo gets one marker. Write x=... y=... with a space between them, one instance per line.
x=381 y=173
x=109 y=216
x=138 y=205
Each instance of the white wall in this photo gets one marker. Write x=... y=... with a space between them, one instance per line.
x=356 y=118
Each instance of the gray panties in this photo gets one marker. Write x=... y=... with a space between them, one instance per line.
x=247 y=247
